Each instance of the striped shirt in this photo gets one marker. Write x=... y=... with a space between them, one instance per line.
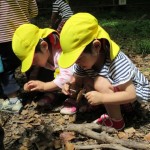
x=118 y=72
x=62 y=8
x=13 y=13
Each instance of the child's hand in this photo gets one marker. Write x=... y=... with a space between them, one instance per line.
x=34 y=85
x=65 y=89
x=94 y=97
x=26 y=87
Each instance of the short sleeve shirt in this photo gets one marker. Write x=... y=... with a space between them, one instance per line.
x=120 y=71
x=61 y=7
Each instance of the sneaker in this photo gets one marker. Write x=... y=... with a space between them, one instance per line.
x=69 y=107
x=10 y=106
x=109 y=122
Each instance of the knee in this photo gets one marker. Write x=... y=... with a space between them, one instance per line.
x=103 y=85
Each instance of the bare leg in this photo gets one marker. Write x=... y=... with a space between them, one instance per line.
x=103 y=85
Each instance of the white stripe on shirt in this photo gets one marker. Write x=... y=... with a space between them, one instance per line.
x=13 y=13
x=120 y=71
x=61 y=7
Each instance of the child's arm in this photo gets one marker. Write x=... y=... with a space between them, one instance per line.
x=127 y=94
x=54 y=18
x=75 y=83
x=63 y=76
x=36 y=85
x=33 y=9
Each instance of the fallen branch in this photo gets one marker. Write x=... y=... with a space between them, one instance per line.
x=111 y=146
x=103 y=137
x=97 y=127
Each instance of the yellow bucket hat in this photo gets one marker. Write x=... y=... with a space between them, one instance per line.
x=77 y=33
x=24 y=41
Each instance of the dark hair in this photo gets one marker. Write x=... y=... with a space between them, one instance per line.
x=38 y=46
x=104 y=47
x=88 y=48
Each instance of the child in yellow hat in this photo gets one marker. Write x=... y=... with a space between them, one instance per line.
x=117 y=81
x=40 y=47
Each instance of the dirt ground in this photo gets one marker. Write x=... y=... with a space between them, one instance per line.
x=46 y=129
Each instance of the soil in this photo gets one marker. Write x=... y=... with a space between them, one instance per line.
x=46 y=129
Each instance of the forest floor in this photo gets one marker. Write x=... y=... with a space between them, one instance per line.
x=40 y=129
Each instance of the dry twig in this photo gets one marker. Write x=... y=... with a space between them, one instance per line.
x=103 y=137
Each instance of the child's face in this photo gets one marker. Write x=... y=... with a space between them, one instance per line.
x=90 y=55
x=41 y=58
x=86 y=60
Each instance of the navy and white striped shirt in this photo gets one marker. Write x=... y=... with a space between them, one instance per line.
x=61 y=7
x=118 y=72
x=14 y=13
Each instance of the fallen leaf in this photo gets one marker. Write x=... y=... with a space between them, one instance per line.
x=67 y=136
x=31 y=120
x=130 y=131
x=24 y=112
x=9 y=134
x=35 y=124
x=26 y=142
x=69 y=146
x=122 y=135
x=27 y=125
x=61 y=121
x=57 y=144
x=23 y=148
x=147 y=137
x=16 y=136
x=66 y=117
x=36 y=116
x=34 y=104
x=72 y=118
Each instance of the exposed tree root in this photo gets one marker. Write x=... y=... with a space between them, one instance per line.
x=108 y=146
x=103 y=137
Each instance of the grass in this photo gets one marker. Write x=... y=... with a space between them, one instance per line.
x=129 y=29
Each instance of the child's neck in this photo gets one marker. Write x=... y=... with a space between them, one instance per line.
x=100 y=62
x=50 y=62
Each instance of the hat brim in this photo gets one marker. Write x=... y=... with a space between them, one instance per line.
x=68 y=59
x=27 y=63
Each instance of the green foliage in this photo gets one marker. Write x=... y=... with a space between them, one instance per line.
x=131 y=32
x=143 y=46
x=128 y=26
